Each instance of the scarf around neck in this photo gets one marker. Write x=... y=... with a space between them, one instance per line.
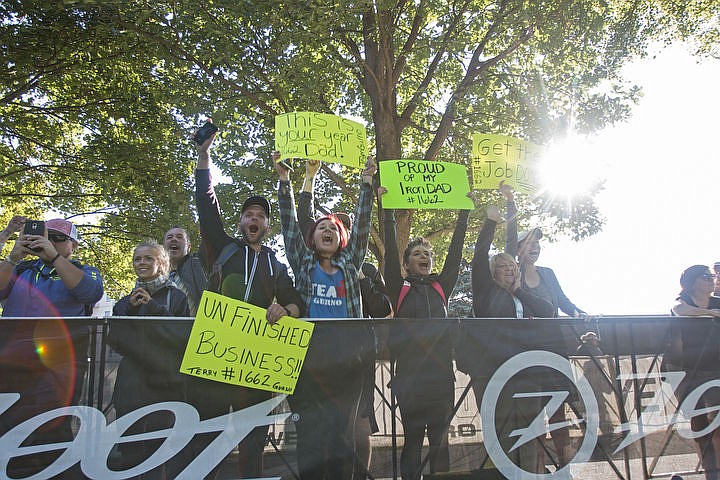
x=154 y=285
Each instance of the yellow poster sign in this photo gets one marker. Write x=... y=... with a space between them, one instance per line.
x=321 y=136
x=232 y=342
x=497 y=158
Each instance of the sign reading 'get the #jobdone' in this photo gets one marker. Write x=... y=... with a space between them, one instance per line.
x=232 y=342
x=499 y=158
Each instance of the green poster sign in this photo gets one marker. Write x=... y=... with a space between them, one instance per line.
x=421 y=184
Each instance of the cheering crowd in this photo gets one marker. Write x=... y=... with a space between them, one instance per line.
x=333 y=400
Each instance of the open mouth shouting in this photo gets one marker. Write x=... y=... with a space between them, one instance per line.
x=328 y=239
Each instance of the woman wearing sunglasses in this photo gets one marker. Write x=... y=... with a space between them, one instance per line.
x=695 y=348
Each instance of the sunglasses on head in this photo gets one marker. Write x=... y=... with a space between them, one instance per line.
x=57 y=237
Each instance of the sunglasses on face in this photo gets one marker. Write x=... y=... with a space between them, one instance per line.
x=708 y=276
x=57 y=238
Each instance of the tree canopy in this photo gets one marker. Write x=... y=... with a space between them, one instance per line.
x=97 y=98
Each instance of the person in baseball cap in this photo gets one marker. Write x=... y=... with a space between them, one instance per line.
x=39 y=280
x=58 y=226
x=259 y=201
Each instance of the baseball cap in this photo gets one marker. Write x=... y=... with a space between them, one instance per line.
x=66 y=227
x=524 y=235
x=259 y=201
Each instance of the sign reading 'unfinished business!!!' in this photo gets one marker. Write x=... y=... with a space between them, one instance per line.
x=232 y=342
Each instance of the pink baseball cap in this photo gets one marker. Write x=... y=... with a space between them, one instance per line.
x=66 y=227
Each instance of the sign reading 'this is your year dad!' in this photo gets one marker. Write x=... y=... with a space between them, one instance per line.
x=321 y=136
x=232 y=342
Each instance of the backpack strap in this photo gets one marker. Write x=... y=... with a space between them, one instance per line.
x=438 y=288
x=215 y=276
x=406 y=288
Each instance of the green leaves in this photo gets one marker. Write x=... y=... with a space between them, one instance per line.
x=97 y=99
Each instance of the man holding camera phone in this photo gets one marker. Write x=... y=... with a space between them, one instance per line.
x=41 y=353
x=71 y=288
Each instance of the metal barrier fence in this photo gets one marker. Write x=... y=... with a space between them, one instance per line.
x=525 y=404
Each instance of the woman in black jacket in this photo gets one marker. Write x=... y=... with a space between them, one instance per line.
x=498 y=293
x=152 y=351
x=424 y=382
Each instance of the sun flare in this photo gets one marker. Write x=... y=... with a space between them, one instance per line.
x=570 y=168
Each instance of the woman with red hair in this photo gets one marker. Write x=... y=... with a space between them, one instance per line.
x=326 y=264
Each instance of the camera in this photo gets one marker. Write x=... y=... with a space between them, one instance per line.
x=204 y=132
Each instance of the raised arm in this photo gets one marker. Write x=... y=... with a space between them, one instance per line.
x=212 y=230
x=392 y=273
x=357 y=245
x=13 y=226
x=449 y=275
x=511 y=230
x=481 y=275
x=305 y=200
x=295 y=247
x=16 y=255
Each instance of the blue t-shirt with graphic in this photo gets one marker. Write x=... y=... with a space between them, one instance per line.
x=329 y=299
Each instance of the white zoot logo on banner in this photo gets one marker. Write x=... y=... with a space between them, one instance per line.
x=95 y=438
x=537 y=426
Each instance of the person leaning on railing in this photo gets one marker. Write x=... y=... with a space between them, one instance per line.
x=695 y=349
x=38 y=358
x=149 y=371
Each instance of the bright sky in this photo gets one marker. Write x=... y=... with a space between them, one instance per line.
x=662 y=172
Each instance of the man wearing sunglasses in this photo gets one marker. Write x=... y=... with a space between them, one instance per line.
x=44 y=359
x=53 y=284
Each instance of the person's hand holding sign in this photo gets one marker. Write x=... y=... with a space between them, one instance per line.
x=312 y=167
x=281 y=169
x=275 y=312
x=507 y=191
x=369 y=171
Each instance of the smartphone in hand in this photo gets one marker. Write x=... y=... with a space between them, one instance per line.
x=34 y=227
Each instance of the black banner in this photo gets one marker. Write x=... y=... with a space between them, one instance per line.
x=614 y=397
